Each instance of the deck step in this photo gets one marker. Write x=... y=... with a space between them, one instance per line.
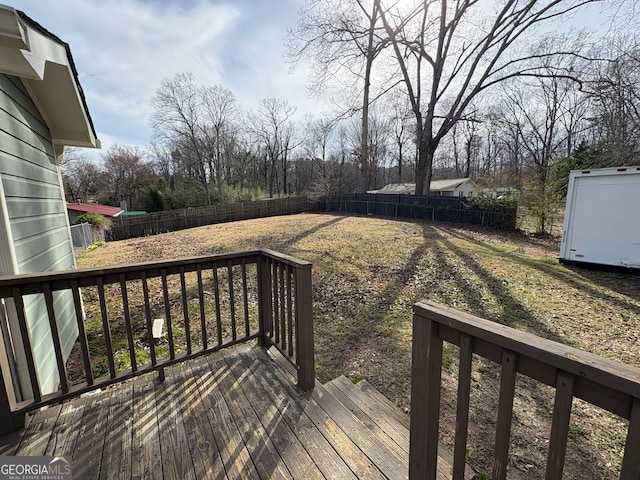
x=369 y=419
x=367 y=402
x=369 y=411
x=278 y=380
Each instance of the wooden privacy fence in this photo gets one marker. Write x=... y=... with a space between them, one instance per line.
x=443 y=209
x=571 y=372
x=170 y=221
x=205 y=304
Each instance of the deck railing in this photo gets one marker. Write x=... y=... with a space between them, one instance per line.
x=573 y=373
x=203 y=304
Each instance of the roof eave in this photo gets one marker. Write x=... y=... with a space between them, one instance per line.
x=44 y=64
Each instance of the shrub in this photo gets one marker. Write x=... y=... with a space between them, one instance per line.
x=502 y=213
x=96 y=220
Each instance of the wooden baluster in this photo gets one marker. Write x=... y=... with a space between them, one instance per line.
x=26 y=343
x=232 y=304
x=8 y=421
x=631 y=460
x=167 y=313
x=185 y=310
x=559 y=426
x=283 y=319
x=275 y=321
x=203 y=321
x=272 y=306
x=127 y=322
x=216 y=294
x=55 y=337
x=426 y=370
x=290 y=310
x=106 y=328
x=264 y=299
x=505 y=414
x=462 y=406
x=82 y=333
x=245 y=297
x=149 y=321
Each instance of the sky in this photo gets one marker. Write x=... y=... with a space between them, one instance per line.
x=124 y=48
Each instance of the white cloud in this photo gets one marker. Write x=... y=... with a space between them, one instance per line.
x=124 y=48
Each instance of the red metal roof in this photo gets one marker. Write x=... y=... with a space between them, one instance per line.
x=105 y=210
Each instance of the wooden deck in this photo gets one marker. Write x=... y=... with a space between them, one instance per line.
x=232 y=414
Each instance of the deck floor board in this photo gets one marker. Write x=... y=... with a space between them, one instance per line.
x=233 y=414
x=319 y=449
x=263 y=452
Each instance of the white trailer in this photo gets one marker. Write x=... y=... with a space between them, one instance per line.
x=602 y=218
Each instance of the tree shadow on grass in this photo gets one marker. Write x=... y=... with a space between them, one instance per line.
x=306 y=233
x=618 y=282
x=365 y=330
x=513 y=313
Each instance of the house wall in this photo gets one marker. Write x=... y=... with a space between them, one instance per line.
x=38 y=227
x=467 y=189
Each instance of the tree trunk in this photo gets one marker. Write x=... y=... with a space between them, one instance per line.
x=207 y=192
x=364 y=139
x=423 y=169
x=218 y=165
x=400 y=162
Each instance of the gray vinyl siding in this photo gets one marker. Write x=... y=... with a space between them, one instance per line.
x=37 y=218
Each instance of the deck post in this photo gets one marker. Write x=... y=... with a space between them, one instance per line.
x=8 y=422
x=304 y=327
x=426 y=370
x=264 y=298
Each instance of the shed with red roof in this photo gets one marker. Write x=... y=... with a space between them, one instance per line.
x=74 y=210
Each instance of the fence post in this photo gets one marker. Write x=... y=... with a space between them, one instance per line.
x=304 y=327
x=264 y=298
x=426 y=367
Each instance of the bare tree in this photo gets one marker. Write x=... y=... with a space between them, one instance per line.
x=125 y=169
x=220 y=111
x=273 y=129
x=400 y=130
x=457 y=50
x=377 y=147
x=80 y=176
x=615 y=100
x=343 y=39
x=178 y=120
x=545 y=112
x=316 y=146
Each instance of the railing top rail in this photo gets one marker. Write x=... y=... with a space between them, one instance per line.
x=287 y=259
x=584 y=365
x=81 y=272
x=32 y=282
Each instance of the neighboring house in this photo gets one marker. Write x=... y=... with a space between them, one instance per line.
x=42 y=109
x=457 y=187
x=74 y=210
x=499 y=192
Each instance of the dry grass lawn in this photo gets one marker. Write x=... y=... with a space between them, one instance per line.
x=367 y=273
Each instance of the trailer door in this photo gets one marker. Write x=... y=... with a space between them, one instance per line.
x=605 y=223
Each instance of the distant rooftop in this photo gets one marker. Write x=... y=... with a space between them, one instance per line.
x=410 y=188
x=132 y=213
x=105 y=210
